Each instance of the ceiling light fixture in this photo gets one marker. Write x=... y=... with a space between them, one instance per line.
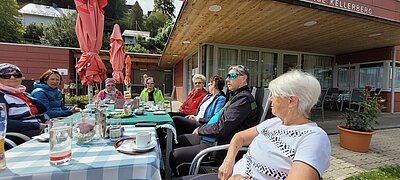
x=374 y=34
x=143 y=69
x=186 y=42
x=175 y=55
x=215 y=8
x=310 y=23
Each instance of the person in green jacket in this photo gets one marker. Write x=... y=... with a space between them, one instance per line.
x=152 y=93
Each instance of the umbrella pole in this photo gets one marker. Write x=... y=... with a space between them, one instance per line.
x=90 y=93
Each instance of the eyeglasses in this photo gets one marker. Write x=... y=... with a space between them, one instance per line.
x=111 y=85
x=150 y=83
x=196 y=83
x=233 y=75
x=8 y=76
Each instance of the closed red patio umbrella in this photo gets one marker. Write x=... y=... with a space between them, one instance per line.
x=89 y=30
x=117 y=54
x=128 y=63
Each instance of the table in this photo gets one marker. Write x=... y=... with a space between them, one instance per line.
x=96 y=160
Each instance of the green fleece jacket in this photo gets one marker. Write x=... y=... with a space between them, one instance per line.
x=158 y=97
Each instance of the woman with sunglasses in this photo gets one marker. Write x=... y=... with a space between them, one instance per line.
x=194 y=98
x=110 y=93
x=151 y=93
x=46 y=90
x=210 y=105
x=25 y=114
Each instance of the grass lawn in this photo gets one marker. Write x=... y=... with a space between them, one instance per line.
x=381 y=173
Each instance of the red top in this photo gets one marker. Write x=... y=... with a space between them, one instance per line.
x=192 y=101
x=32 y=107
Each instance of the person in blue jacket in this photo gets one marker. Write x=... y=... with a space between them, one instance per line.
x=48 y=93
x=210 y=105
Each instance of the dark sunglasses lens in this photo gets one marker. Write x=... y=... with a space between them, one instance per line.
x=8 y=76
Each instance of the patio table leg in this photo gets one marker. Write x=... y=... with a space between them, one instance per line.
x=168 y=150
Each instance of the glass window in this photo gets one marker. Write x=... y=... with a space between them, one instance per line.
x=320 y=67
x=268 y=65
x=346 y=78
x=250 y=60
x=397 y=76
x=371 y=74
x=226 y=58
x=289 y=62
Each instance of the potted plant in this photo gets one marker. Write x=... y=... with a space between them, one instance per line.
x=357 y=131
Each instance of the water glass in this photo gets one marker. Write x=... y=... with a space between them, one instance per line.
x=3 y=125
x=60 y=131
x=115 y=128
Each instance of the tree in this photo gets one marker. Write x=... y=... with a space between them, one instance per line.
x=154 y=21
x=33 y=32
x=113 y=13
x=165 y=6
x=11 y=28
x=137 y=48
x=61 y=32
x=136 y=17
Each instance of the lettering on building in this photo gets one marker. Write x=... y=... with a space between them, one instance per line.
x=345 y=5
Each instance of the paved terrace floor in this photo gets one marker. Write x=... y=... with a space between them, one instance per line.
x=384 y=149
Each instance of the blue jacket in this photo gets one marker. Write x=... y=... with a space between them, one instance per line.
x=216 y=104
x=52 y=99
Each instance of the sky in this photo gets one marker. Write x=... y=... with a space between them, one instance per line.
x=147 y=5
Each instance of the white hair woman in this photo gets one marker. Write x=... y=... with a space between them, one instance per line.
x=194 y=98
x=288 y=146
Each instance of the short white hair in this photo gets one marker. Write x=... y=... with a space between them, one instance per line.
x=199 y=76
x=297 y=83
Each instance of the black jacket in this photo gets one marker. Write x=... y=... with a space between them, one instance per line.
x=239 y=115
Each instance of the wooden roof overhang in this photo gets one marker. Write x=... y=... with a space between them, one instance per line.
x=275 y=25
x=139 y=60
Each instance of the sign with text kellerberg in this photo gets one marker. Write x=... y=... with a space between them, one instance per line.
x=385 y=9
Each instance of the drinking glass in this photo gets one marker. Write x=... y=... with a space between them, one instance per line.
x=60 y=131
x=115 y=129
x=3 y=125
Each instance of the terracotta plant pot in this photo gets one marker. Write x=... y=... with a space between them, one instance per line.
x=355 y=140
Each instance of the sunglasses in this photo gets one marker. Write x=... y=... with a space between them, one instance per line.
x=111 y=85
x=196 y=83
x=232 y=75
x=8 y=76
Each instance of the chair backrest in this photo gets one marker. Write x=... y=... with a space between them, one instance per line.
x=321 y=98
x=378 y=91
x=332 y=91
x=253 y=92
x=265 y=105
x=357 y=95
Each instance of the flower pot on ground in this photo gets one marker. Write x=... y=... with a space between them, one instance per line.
x=357 y=131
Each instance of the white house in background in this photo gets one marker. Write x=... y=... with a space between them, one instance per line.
x=41 y=14
x=130 y=36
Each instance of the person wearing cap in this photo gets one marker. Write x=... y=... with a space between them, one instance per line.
x=152 y=93
x=25 y=114
x=48 y=93
x=110 y=92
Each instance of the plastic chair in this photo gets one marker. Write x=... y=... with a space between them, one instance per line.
x=13 y=139
x=321 y=102
x=357 y=97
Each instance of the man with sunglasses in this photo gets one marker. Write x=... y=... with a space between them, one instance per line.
x=25 y=114
x=239 y=113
